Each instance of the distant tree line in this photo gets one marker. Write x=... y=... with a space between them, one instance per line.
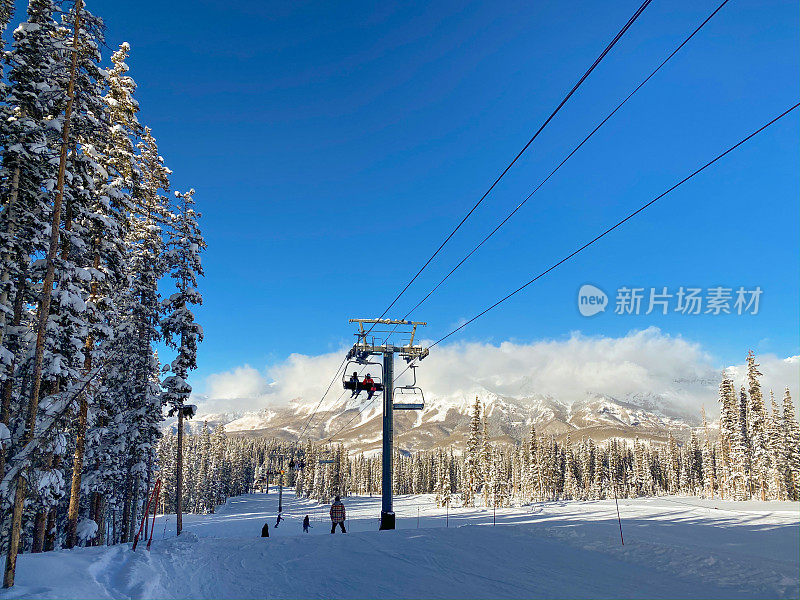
x=754 y=456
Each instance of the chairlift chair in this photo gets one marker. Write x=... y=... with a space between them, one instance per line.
x=327 y=458
x=359 y=385
x=414 y=398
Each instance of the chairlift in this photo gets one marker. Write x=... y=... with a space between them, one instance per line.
x=327 y=458
x=299 y=465
x=409 y=397
x=357 y=384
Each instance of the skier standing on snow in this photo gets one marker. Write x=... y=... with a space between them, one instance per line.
x=280 y=518
x=265 y=530
x=306 y=524
x=337 y=515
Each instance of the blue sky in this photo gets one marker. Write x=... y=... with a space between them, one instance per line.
x=333 y=146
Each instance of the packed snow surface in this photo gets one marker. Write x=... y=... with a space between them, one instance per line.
x=675 y=547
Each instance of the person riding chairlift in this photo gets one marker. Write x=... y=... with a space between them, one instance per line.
x=369 y=384
x=354 y=381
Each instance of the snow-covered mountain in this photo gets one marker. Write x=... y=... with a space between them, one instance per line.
x=445 y=419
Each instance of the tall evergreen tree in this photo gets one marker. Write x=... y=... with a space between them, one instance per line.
x=472 y=457
x=757 y=430
x=43 y=303
x=180 y=329
x=791 y=447
x=486 y=459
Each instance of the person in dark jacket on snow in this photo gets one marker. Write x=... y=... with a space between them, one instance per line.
x=278 y=521
x=306 y=524
x=265 y=530
x=337 y=515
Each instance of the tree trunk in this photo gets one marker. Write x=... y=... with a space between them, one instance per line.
x=96 y=515
x=80 y=434
x=77 y=468
x=100 y=519
x=114 y=526
x=134 y=507
x=50 y=534
x=39 y=529
x=40 y=522
x=179 y=475
x=126 y=505
x=43 y=310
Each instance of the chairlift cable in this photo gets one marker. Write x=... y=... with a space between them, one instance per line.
x=582 y=248
x=561 y=164
x=330 y=385
x=583 y=78
x=617 y=224
x=597 y=61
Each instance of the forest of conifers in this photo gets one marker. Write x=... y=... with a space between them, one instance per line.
x=99 y=262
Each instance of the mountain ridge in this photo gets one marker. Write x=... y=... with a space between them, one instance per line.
x=445 y=419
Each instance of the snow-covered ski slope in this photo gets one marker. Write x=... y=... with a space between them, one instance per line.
x=675 y=547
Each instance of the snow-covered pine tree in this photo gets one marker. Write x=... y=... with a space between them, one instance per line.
x=31 y=149
x=536 y=489
x=219 y=473
x=709 y=461
x=742 y=453
x=587 y=467
x=179 y=327
x=639 y=460
x=757 y=430
x=674 y=466
x=97 y=204
x=140 y=180
x=777 y=489
x=472 y=456
x=43 y=305
x=486 y=459
x=694 y=466
x=601 y=475
x=570 y=482
x=29 y=145
x=727 y=435
x=442 y=480
x=791 y=447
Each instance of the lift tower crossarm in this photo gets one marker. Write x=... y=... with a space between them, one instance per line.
x=408 y=351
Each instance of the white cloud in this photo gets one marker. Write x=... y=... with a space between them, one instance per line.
x=240 y=389
x=647 y=361
x=639 y=361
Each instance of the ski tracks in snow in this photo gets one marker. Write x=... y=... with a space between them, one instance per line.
x=122 y=573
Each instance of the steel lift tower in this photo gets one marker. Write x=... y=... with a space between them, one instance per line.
x=368 y=345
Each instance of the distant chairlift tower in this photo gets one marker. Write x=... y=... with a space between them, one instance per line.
x=368 y=344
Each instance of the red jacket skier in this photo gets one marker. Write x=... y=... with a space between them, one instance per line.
x=369 y=384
